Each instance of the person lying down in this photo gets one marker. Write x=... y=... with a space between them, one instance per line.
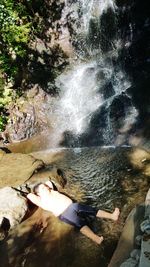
x=48 y=198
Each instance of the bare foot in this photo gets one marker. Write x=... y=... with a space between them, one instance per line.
x=99 y=239
x=115 y=214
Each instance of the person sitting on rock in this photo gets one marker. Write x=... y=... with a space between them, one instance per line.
x=67 y=211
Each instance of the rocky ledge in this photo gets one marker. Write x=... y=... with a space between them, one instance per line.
x=17 y=172
x=133 y=248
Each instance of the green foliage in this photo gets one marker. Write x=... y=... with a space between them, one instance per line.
x=6 y=97
x=8 y=66
x=3 y=121
x=14 y=26
x=1 y=85
x=15 y=34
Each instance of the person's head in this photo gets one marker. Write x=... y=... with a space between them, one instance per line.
x=41 y=189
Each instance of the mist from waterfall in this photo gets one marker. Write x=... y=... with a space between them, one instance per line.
x=90 y=87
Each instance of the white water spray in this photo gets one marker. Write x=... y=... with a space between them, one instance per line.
x=82 y=88
x=95 y=8
x=79 y=97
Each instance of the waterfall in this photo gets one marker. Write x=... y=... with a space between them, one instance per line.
x=94 y=99
x=79 y=97
x=95 y=8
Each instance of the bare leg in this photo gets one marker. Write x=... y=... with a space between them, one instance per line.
x=85 y=230
x=107 y=215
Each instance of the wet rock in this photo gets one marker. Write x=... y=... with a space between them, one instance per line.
x=15 y=169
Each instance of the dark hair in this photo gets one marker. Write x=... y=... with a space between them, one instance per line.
x=64 y=179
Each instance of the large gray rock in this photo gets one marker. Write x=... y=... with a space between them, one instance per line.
x=125 y=254
x=145 y=228
x=13 y=208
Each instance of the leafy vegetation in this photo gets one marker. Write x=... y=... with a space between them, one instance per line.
x=3 y=121
x=15 y=34
x=6 y=97
x=25 y=57
x=16 y=28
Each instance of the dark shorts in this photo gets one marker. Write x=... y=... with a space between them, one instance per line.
x=77 y=214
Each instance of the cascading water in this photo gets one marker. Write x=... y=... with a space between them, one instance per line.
x=95 y=8
x=80 y=97
x=94 y=105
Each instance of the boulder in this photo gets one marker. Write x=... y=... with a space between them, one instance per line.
x=13 y=208
x=125 y=254
x=136 y=234
x=16 y=168
x=145 y=228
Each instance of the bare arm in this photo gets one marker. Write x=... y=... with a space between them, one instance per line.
x=34 y=199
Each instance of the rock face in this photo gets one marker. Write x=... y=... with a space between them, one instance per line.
x=13 y=208
x=27 y=117
x=15 y=169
